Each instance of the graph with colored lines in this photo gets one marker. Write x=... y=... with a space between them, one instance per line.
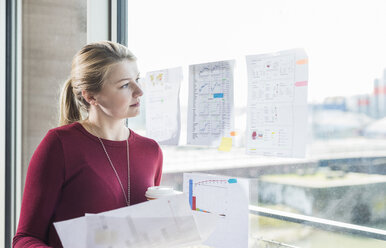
x=210 y=101
x=225 y=197
x=203 y=203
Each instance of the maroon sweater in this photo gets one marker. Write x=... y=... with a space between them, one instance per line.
x=69 y=175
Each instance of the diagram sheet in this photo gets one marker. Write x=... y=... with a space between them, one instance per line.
x=225 y=197
x=163 y=122
x=210 y=112
x=166 y=222
x=277 y=104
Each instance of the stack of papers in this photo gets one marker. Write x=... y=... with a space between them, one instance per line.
x=166 y=222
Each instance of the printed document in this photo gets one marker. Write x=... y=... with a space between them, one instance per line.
x=163 y=121
x=277 y=104
x=210 y=112
x=165 y=222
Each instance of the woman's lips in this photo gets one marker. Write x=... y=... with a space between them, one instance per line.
x=135 y=105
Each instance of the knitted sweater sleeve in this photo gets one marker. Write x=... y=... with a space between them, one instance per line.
x=159 y=162
x=45 y=177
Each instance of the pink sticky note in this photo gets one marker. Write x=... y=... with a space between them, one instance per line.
x=301 y=83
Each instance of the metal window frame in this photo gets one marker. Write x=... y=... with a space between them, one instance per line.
x=122 y=22
x=2 y=117
x=323 y=224
x=12 y=119
x=118 y=21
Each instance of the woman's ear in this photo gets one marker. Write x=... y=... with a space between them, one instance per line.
x=89 y=98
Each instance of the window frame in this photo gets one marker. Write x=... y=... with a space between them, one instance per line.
x=13 y=112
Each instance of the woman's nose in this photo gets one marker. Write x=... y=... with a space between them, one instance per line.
x=137 y=91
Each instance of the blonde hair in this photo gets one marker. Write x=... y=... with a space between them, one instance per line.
x=89 y=69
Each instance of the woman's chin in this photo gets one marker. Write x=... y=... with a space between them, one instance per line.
x=132 y=115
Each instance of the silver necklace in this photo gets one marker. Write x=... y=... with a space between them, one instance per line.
x=127 y=197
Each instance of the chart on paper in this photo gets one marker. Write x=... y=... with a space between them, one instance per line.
x=227 y=198
x=277 y=103
x=210 y=115
x=209 y=196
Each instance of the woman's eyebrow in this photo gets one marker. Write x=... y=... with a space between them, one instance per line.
x=124 y=79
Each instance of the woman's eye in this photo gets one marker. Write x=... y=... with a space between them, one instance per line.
x=137 y=80
x=125 y=86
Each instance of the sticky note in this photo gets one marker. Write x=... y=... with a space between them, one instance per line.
x=232 y=180
x=302 y=62
x=226 y=144
x=301 y=83
x=233 y=133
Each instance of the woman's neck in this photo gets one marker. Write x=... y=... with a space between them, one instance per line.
x=110 y=130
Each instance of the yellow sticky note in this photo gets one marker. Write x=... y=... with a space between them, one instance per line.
x=225 y=145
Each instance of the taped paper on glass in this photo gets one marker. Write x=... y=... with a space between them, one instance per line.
x=163 y=120
x=277 y=104
x=210 y=106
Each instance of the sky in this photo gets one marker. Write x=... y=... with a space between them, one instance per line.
x=345 y=40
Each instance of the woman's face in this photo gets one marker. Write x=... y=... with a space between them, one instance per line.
x=119 y=97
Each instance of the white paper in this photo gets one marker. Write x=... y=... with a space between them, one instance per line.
x=228 y=199
x=72 y=232
x=207 y=223
x=163 y=121
x=277 y=104
x=166 y=222
x=108 y=231
x=210 y=112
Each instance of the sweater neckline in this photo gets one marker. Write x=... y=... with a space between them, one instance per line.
x=105 y=141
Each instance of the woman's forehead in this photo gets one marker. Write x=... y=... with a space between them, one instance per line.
x=123 y=70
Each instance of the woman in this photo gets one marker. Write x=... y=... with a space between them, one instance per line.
x=90 y=164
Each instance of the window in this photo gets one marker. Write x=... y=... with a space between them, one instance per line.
x=343 y=175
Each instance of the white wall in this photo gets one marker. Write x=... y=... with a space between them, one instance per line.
x=52 y=32
x=98 y=20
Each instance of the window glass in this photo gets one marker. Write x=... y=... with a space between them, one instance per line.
x=343 y=176
x=268 y=232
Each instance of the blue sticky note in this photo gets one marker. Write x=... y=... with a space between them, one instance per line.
x=232 y=180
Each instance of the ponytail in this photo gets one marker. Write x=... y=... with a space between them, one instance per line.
x=69 y=110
